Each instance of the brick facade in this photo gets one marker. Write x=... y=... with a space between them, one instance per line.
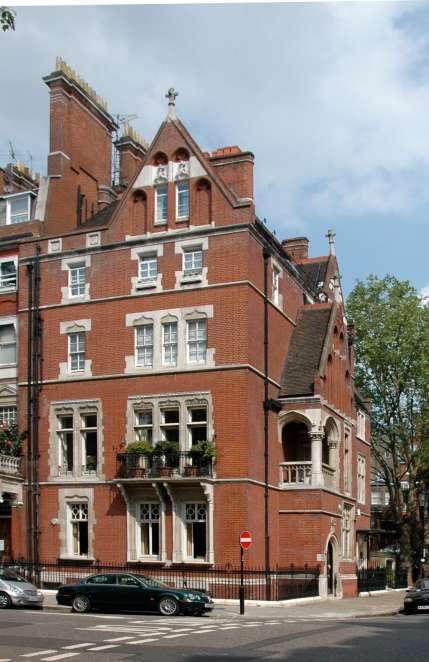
x=199 y=317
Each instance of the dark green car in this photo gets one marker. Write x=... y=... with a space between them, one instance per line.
x=130 y=592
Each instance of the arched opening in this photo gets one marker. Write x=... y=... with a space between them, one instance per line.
x=139 y=212
x=330 y=453
x=203 y=202
x=181 y=154
x=160 y=159
x=296 y=445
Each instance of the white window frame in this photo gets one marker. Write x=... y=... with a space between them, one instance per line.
x=60 y=432
x=12 y=198
x=142 y=330
x=195 y=269
x=141 y=429
x=360 y=424
x=276 y=285
x=11 y=414
x=78 y=267
x=157 y=190
x=80 y=353
x=196 y=341
x=347 y=532
x=10 y=324
x=150 y=521
x=179 y=184
x=169 y=346
x=361 y=478
x=152 y=274
x=83 y=429
x=83 y=517
x=9 y=286
x=190 y=521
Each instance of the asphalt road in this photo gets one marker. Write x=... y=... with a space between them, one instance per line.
x=51 y=636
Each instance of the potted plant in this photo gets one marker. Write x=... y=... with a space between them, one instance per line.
x=143 y=452
x=167 y=453
x=202 y=454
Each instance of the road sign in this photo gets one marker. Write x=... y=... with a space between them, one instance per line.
x=245 y=539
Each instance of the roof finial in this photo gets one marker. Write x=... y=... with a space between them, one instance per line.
x=330 y=237
x=171 y=96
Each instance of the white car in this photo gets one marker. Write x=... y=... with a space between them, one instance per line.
x=15 y=591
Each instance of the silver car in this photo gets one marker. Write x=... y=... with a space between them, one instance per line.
x=17 y=591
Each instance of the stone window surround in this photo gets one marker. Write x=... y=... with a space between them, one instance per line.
x=277 y=266
x=75 y=326
x=66 y=264
x=180 y=247
x=137 y=286
x=9 y=370
x=360 y=424
x=347 y=520
x=157 y=318
x=179 y=497
x=156 y=403
x=67 y=496
x=361 y=477
x=347 y=470
x=75 y=408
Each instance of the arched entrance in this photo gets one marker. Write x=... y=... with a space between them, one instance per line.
x=330 y=568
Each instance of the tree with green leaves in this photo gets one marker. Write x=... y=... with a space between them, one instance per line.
x=7 y=19
x=392 y=369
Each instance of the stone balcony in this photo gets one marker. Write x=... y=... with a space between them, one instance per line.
x=303 y=475
x=175 y=465
x=10 y=465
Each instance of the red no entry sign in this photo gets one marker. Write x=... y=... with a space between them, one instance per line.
x=245 y=539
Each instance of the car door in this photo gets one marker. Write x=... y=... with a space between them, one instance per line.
x=132 y=594
x=100 y=589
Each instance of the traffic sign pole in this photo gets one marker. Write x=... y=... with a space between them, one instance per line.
x=245 y=542
x=241 y=581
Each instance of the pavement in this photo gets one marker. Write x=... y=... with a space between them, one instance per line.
x=383 y=603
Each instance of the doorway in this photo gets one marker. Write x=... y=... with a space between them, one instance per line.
x=330 y=569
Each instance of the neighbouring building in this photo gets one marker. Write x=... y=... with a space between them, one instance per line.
x=183 y=375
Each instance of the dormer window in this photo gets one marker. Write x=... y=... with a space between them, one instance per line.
x=161 y=203
x=18 y=208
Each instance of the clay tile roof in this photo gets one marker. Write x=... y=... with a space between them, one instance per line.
x=305 y=351
x=313 y=272
x=101 y=217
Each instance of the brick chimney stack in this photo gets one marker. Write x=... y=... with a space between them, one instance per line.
x=235 y=168
x=132 y=149
x=296 y=248
x=80 y=158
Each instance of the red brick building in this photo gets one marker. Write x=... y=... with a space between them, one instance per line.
x=159 y=309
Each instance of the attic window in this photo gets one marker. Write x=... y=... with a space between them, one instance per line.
x=18 y=208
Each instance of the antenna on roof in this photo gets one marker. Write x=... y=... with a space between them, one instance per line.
x=12 y=152
x=30 y=158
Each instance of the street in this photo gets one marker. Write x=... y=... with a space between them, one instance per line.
x=48 y=636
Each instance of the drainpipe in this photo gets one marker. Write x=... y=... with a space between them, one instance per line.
x=29 y=495
x=266 y=254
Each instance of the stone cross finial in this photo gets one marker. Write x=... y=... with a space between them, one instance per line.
x=171 y=96
x=330 y=237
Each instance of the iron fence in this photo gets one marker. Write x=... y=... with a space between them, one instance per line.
x=220 y=582
x=180 y=464
x=378 y=578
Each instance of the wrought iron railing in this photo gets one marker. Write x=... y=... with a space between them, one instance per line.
x=221 y=582
x=180 y=464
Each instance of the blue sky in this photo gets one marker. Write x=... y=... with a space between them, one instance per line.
x=332 y=98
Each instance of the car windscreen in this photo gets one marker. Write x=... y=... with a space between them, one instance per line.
x=10 y=575
x=151 y=582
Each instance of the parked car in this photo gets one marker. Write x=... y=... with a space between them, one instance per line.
x=417 y=597
x=15 y=591
x=131 y=592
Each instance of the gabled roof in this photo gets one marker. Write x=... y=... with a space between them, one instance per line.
x=305 y=350
x=313 y=271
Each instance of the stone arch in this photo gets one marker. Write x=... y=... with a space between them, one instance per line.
x=160 y=159
x=203 y=196
x=331 y=577
x=295 y=437
x=139 y=212
x=330 y=446
x=181 y=154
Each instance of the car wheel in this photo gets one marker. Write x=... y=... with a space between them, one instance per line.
x=168 y=607
x=5 y=601
x=81 y=604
